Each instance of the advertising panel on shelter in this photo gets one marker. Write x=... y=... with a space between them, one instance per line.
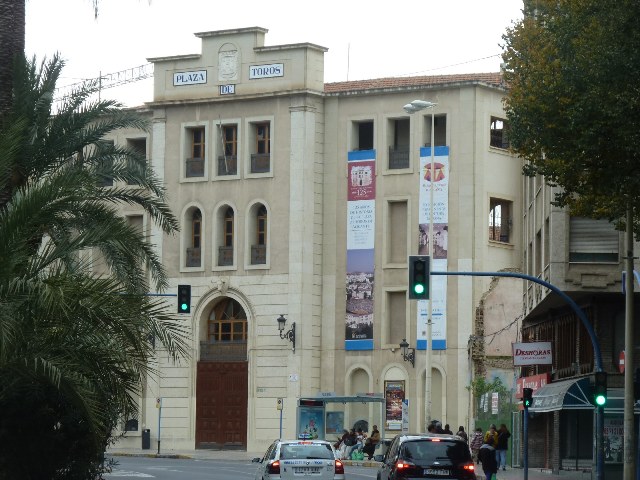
x=394 y=395
x=361 y=209
x=439 y=181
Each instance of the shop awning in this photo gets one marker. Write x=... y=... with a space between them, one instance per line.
x=565 y=394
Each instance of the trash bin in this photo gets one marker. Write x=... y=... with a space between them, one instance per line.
x=146 y=439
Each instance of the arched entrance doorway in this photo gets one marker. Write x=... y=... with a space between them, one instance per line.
x=222 y=375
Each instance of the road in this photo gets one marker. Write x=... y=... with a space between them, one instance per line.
x=180 y=469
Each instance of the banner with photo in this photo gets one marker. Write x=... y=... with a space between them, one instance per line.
x=361 y=209
x=439 y=180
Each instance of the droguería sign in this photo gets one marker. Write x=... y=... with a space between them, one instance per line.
x=532 y=353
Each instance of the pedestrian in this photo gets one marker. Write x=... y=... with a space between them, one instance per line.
x=371 y=442
x=502 y=446
x=477 y=438
x=462 y=434
x=439 y=428
x=447 y=430
x=487 y=456
x=492 y=432
x=431 y=428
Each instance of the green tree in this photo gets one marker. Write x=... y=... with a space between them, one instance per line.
x=573 y=101
x=74 y=346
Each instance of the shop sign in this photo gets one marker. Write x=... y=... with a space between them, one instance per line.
x=534 y=382
x=531 y=353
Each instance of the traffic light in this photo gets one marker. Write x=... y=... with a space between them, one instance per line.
x=527 y=397
x=184 y=298
x=419 y=267
x=636 y=385
x=600 y=389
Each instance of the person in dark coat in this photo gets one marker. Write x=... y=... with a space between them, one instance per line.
x=487 y=456
x=503 y=445
x=371 y=442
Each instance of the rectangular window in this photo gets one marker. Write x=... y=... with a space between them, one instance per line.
x=499 y=133
x=195 y=160
x=397 y=316
x=397 y=252
x=500 y=220
x=197 y=143
x=263 y=140
x=439 y=130
x=364 y=135
x=228 y=161
x=593 y=240
x=105 y=166
x=139 y=145
x=399 y=145
x=261 y=155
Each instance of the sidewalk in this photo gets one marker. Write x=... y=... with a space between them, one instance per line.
x=241 y=455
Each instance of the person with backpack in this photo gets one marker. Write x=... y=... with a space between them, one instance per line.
x=487 y=456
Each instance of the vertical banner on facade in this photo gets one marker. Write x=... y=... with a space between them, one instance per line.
x=361 y=198
x=439 y=181
x=394 y=396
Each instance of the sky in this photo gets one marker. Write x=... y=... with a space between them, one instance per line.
x=365 y=39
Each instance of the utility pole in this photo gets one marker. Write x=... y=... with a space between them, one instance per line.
x=629 y=465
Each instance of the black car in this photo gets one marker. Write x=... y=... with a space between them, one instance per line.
x=427 y=456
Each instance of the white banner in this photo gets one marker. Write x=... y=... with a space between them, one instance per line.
x=531 y=353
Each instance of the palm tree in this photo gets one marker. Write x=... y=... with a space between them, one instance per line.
x=75 y=344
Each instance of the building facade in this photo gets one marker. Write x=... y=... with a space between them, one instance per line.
x=584 y=258
x=300 y=200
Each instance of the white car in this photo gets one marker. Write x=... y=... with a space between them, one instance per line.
x=296 y=459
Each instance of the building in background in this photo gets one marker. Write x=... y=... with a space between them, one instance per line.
x=302 y=199
x=584 y=258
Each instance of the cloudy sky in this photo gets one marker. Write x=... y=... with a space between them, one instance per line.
x=365 y=39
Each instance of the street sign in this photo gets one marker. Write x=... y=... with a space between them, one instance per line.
x=621 y=362
x=279 y=403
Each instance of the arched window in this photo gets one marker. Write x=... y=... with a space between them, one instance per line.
x=194 y=252
x=227 y=322
x=196 y=229
x=262 y=226
x=228 y=227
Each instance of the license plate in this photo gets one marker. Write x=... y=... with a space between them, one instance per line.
x=436 y=471
x=306 y=470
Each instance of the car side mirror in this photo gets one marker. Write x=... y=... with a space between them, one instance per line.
x=256 y=460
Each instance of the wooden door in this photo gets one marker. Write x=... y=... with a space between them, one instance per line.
x=221 y=405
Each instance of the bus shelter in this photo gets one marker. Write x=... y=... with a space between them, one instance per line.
x=314 y=420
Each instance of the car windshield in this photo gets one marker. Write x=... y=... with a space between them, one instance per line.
x=445 y=452
x=308 y=451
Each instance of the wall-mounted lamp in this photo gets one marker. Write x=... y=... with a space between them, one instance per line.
x=408 y=354
x=290 y=334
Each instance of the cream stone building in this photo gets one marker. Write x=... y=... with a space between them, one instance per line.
x=305 y=199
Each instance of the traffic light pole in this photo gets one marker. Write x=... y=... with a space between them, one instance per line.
x=597 y=353
x=525 y=447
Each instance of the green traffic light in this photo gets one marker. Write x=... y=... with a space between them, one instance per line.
x=418 y=288
x=183 y=306
x=600 y=400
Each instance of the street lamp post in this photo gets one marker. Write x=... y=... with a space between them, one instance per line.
x=411 y=108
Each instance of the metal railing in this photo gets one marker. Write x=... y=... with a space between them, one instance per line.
x=195 y=167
